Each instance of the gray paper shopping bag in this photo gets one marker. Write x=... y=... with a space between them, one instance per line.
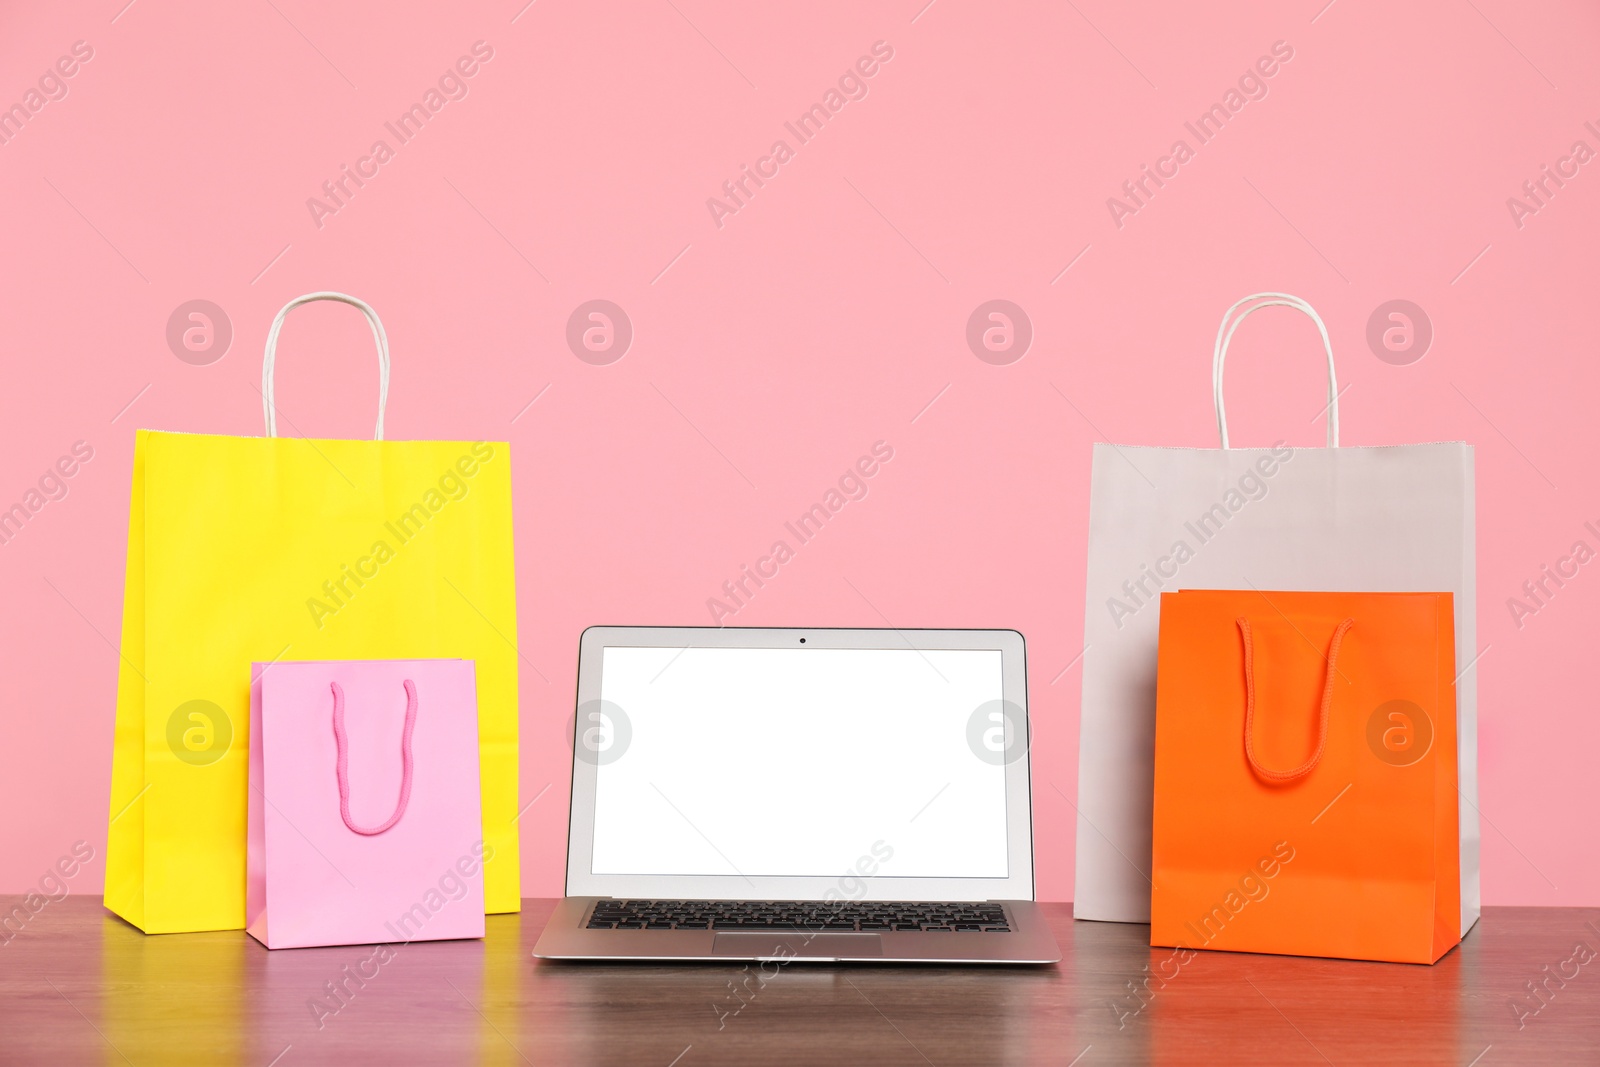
x=1386 y=519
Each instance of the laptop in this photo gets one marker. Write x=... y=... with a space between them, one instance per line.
x=800 y=794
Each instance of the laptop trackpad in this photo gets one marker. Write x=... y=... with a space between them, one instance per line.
x=784 y=946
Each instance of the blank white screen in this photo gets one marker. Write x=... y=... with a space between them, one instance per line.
x=798 y=762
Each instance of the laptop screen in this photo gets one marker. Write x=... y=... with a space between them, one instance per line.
x=798 y=762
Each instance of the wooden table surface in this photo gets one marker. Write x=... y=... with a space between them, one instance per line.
x=78 y=986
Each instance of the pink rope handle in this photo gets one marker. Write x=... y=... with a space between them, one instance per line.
x=1250 y=706
x=341 y=743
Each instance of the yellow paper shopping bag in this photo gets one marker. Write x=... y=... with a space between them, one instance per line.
x=249 y=550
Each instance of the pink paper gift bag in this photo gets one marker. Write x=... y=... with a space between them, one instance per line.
x=363 y=809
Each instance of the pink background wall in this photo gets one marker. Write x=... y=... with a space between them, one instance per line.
x=826 y=314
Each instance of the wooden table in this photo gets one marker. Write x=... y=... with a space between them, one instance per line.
x=78 y=986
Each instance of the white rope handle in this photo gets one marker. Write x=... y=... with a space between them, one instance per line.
x=269 y=409
x=1231 y=323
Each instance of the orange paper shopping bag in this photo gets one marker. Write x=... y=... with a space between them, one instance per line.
x=1305 y=776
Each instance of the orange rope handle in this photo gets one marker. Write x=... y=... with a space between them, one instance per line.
x=1250 y=705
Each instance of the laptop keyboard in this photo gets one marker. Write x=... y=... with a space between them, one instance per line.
x=793 y=915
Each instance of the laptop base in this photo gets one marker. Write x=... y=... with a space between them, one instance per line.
x=1029 y=940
